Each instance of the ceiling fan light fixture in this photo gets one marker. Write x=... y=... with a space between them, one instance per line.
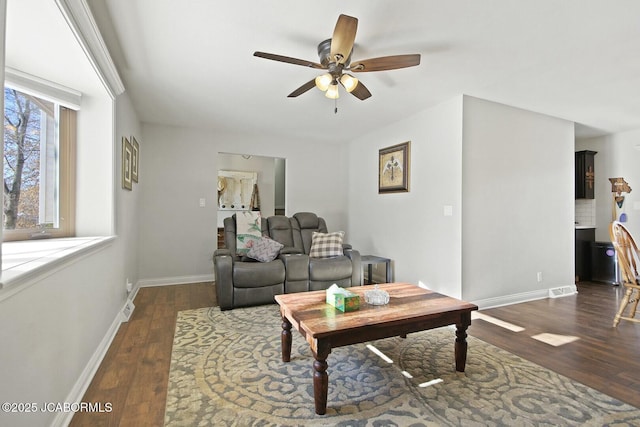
x=323 y=81
x=349 y=82
x=332 y=91
x=335 y=58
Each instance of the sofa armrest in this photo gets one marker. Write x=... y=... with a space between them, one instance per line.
x=346 y=246
x=356 y=262
x=222 y=252
x=296 y=266
x=223 y=268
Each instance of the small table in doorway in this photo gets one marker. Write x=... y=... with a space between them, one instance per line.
x=369 y=261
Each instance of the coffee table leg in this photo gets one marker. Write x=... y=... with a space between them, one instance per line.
x=461 y=341
x=286 y=340
x=320 y=381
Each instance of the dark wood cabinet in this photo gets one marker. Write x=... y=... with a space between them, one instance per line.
x=585 y=174
x=584 y=238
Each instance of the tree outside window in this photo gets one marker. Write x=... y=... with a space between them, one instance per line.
x=30 y=161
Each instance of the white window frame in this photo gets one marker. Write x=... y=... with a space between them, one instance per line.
x=68 y=101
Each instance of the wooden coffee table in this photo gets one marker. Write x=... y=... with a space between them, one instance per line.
x=410 y=309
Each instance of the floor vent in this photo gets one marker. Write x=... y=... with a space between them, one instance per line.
x=562 y=291
x=127 y=310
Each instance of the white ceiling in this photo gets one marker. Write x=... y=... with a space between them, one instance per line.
x=190 y=62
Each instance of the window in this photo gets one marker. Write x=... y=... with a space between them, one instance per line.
x=39 y=147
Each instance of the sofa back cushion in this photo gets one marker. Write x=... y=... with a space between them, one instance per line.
x=308 y=223
x=280 y=229
x=293 y=232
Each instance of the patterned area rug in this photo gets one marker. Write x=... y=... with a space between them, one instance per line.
x=226 y=369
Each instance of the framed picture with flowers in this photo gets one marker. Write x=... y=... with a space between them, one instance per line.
x=393 y=168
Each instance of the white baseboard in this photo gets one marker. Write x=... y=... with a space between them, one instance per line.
x=179 y=280
x=76 y=394
x=522 y=297
x=134 y=292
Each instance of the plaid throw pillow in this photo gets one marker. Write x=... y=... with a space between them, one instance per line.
x=265 y=250
x=326 y=245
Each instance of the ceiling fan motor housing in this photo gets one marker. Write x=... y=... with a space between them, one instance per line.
x=324 y=53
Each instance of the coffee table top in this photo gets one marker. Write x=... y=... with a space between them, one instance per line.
x=309 y=313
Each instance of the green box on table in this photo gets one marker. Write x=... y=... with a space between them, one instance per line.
x=344 y=300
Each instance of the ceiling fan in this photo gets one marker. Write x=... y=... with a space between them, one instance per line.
x=335 y=57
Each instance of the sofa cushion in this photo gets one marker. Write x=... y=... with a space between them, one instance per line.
x=248 y=230
x=258 y=274
x=265 y=249
x=307 y=223
x=326 y=245
x=330 y=269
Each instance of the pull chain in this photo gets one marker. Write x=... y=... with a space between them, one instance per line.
x=335 y=110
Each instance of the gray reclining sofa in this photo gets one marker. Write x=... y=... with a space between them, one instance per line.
x=242 y=281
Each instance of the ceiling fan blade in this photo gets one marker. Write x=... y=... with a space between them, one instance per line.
x=360 y=91
x=344 y=35
x=385 y=63
x=302 y=89
x=288 y=60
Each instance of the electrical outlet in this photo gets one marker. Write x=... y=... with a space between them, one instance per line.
x=539 y=276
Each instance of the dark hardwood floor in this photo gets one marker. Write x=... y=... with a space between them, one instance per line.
x=604 y=358
x=133 y=375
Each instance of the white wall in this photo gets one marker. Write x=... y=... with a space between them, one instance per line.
x=127 y=208
x=410 y=228
x=94 y=166
x=177 y=237
x=617 y=156
x=518 y=201
x=508 y=176
x=55 y=330
x=52 y=330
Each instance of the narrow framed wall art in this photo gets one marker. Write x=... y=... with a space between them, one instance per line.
x=127 y=156
x=393 y=168
x=135 y=158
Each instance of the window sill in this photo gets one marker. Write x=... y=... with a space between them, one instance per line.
x=24 y=262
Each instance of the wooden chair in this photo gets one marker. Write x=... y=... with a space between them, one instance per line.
x=628 y=262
